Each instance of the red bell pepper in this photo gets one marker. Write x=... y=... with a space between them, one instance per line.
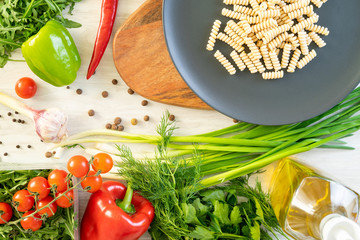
x=115 y=212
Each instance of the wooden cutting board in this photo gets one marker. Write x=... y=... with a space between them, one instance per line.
x=143 y=62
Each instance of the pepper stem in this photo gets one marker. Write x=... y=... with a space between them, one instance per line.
x=125 y=204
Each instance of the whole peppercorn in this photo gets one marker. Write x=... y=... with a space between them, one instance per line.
x=144 y=102
x=130 y=91
x=67 y=87
x=114 y=81
x=117 y=120
x=235 y=120
x=14 y=120
x=113 y=127
x=16 y=112
x=120 y=128
x=19 y=120
x=108 y=126
x=134 y=121
x=22 y=121
x=91 y=112
x=171 y=117
x=146 y=118
x=9 y=113
x=5 y=154
x=29 y=146
x=17 y=146
x=105 y=94
x=48 y=154
x=79 y=91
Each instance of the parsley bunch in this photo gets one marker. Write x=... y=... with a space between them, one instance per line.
x=20 y=19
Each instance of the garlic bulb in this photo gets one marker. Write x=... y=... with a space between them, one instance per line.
x=50 y=124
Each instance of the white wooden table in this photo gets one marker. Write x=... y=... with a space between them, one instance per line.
x=339 y=164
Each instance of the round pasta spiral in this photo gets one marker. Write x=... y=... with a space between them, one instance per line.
x=293 y=40
x=231 y=14
x=254 y=4
x=253 y=48
x=244 y=10
x=306 y=59
x=272 y=33
x=317 y=3
x=259 y=66
x=239 y=63
x=318 y=29
x=273 y=75
x=237 y=2
x=266 y=57
x=303 y=42
x=231 y=33
x=275 y=60
x=214 y=32
x=245 y=25
x=239 y=31
x=264 y=25
x=286 y=55
x=296 y=5
x=317 y=39
x=263 y=6
x=222 y=59
x=294 y=60
x=269 y=13
x=305 y=23
x=228 y=40
x=278 y=40
x=301 y=11
x=248 y=62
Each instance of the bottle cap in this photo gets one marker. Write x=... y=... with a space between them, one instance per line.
x=338 y=227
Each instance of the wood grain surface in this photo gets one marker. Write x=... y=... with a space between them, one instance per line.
x=143 y=62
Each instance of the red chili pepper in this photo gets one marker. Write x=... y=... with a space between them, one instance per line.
x=107 y=18
x=108 y=218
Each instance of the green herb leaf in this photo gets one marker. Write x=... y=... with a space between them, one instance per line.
x=221 y=211
x=202 y=233
x=235 y=216
x=213 y=194
x=255 y=231
x=70 y=24
x=189 y=212
x=259 y=211
x=201 y=209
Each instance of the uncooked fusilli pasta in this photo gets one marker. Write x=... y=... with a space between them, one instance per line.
x=273 y=75
x=223 y=60
x=306 y=59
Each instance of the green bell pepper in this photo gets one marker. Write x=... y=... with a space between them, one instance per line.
x=52 y=54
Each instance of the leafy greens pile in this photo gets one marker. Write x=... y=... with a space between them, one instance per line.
x=60 y=226
x=20 y=19
x=184 y=212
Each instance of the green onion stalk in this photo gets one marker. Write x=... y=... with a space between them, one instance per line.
x=243 y=148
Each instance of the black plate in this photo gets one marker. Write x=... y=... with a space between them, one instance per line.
x=247 y=97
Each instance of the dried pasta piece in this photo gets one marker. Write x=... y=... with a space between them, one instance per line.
x=237 y=2
x=317 y=3
x=231 y=33
x=259 y=66
x=266 y=57
x=273 y=75
x=239 y=63
x=301 y=11
x=296 y=5
x=303 y=42
x=245 y=58
x=268 y=23
x=254 y=4
x=293 y=40
x=254 y=20
x=228 y=40
x=244 y=10
x=253 y=48
x=269 y=13
x=239 y=30
x=286 y=55
x=245 y=25
x=294 y=60
x=318 y=29
x=223 y=60
x=231 y=14
x=275 y=60
x=305 y=23
x=317 y=39
x=213 y=34
x=278 y=40
x=271 y=34
x=263 y=6
x=306 y=59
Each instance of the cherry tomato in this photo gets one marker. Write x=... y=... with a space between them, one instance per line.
x=94 y=182
x=8 y=212
x=78 y=166
x=102 y=162
x=24 y=199
x=58 y=177
x=25 y=87
x=64 y=201
x=34 y=223
x=50 y=210
x=40 y=186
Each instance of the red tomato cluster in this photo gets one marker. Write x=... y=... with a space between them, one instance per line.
x=36 y=196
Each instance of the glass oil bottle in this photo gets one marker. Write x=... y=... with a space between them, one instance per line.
x=309 y=206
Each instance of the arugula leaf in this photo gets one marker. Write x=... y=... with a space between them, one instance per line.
x=202 y=233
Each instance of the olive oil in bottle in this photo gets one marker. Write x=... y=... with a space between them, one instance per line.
x=309 y=206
